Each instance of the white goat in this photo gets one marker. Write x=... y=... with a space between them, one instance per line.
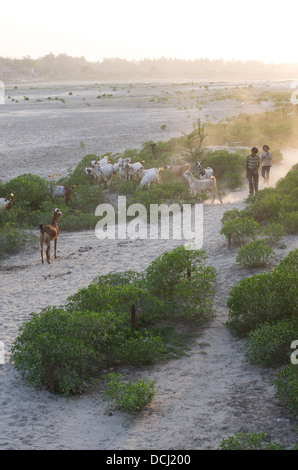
x=116 y=167
x=102 y=161
x=205 y=173
x=106 y=173
x=202 y=185
x=123 y=170
x=150 y=176
x=6 y=204
x=134 y=169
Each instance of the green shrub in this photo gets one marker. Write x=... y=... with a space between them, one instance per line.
x=167 y=270
x=270 y=344
x=86 y=200
x=288 y=183
x=262 y=298
x=120 y=299
x=249 y=441
x=181 y=279
x=265 y=205
x=286 y=385
x=127 y=188
x=231 y=215
x=289 y=262
x=241 y=230
x=127 y=396
x=175 y=192
x=290 y=221
x=229 y=168
x=273 y=232
x=29 y=190
x=74 y=220
x=12 y=238
x=275 y=208
x=138 y=348
x=68 y=341
x=254 y=254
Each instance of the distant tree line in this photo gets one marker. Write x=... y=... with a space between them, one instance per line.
x=65 y=67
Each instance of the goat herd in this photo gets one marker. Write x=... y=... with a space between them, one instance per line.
x=104 y=170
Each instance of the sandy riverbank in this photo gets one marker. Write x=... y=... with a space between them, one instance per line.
x=203 y=397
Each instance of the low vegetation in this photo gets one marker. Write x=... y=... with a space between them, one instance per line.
x=127 y=396
x=118 y=319
x=263 y=308
x=249 y=441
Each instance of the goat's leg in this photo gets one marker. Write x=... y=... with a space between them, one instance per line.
x=56 y=239
x=41 y=250
x=48 y=252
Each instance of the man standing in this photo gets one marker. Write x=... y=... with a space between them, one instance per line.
x=252 y=170
x=265 y=159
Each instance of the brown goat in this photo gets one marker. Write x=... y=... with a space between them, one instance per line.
x=178 y=170
x=62 y=190
x=6 y=204
x=48 y=233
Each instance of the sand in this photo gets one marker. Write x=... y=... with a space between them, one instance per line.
x=203 y=397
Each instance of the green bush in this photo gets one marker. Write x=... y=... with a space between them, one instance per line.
x=286 y=385
x=241 y=230
x=254 y=254
x=175 y=192
x=138 y=348
x=12 y=238
x=231 y=215
x=101 y=323
x=276 y=209
x=265 y=205
x=289 y=262
x=249 y=441
x=273 y=232
x=180 y=278
x=86 y=200
x=126 y=396
x=229 y=168
x=288 y=183
x=70 y=342
x=120 y=299
x=167 y=270
x=263 y=298
x=290 y=221
x=270 y=344
x=29 y=190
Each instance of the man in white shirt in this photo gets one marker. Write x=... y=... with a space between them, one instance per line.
x=266 y=158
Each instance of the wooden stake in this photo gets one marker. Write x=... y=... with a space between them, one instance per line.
x=133 y=317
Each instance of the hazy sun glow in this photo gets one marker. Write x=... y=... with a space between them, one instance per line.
x=262 y=30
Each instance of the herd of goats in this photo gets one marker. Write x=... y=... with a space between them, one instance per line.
x=104 y=170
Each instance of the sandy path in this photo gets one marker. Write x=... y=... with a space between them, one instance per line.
x=202 y=398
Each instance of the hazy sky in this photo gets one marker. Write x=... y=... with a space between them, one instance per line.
x=264 y=30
